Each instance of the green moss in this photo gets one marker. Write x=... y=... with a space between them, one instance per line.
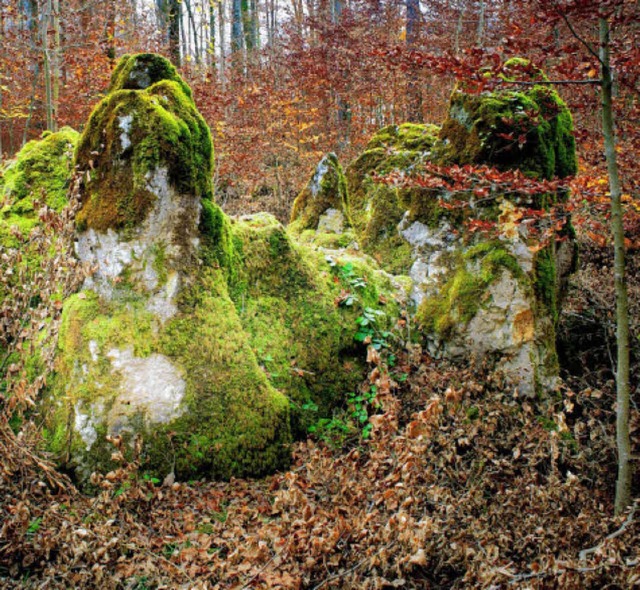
x=131 y=135
x=545 y=282
x=40 y=173
x=466 y=291
x=375 y=209
x=326 y=189
x=287 y=298
x=139 y=71
x=233 y=423
x=518 y=68
x=530 y=130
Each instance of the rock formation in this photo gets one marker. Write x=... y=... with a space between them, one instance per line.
x=474 y=295
x=201 y=334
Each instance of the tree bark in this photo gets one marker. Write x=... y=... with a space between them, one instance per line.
x=623 y=483
x=173 y=18
x=46 y=65
x=414 y=92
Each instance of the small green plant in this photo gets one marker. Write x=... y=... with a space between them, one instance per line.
x=368 y=330
x=122 y=489
x=334 y=431
x=150 y=479
x=473 y=413
x=34 y=526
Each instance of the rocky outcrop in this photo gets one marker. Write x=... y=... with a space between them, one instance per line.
x=203 y=335
x=489 y=294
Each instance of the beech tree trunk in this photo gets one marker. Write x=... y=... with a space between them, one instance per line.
x=173 y=18
x=414 y=92
x=623 y=483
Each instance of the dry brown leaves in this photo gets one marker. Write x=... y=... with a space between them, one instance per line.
x=470 y=488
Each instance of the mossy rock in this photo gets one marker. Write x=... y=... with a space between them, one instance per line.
x=325 y=191
x=204 y=335
x=375 y=209
x=130 y=135
x=287 y=296
x=530 y=130
x=191 y=387
x=142 y=70
x=40 y=173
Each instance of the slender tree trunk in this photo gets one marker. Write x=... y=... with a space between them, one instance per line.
x=212 y=37
x=221 y=23
x=173 y=18
x=194 y=31
x=56 y=58
x=623 y=483
x=46 y=64
x=459 y=25
x=414 y=92
x=255 y=24
x=480 y=30
x=236 y=26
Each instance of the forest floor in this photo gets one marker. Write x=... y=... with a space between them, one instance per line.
x=461 y=484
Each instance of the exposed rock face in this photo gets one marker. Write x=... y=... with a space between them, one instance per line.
x=202 y=334
x=496 y=294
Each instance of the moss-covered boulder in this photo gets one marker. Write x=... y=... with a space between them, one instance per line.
x=153 y=346
x=493 y=292
x=530 y=130
x=38 y=176
x=300 y=306
x=320 y=205
x=374 y=208
x=208 y=337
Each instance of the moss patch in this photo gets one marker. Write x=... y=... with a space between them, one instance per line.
x=531 y=131
x=232 y=423
x=139 y=71
x=375 y=209
x=287 y=297
x=465 y=291
x=130 y=135
x=40 y=173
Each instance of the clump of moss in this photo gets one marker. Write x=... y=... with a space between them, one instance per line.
x=326 y=189
x=142 y=70
x=40 y=173
x=130 y=135
x=288 y=300
x=375 y=209
x=529 y=130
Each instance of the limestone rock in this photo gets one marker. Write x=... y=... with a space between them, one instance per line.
x=494 y=296
x=206 y=336
x=153 y=346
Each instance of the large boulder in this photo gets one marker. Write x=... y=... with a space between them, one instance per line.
x=491 y=293
x=205 y=336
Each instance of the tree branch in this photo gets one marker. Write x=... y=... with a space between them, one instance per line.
x=590 y=49
x=585 y=552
